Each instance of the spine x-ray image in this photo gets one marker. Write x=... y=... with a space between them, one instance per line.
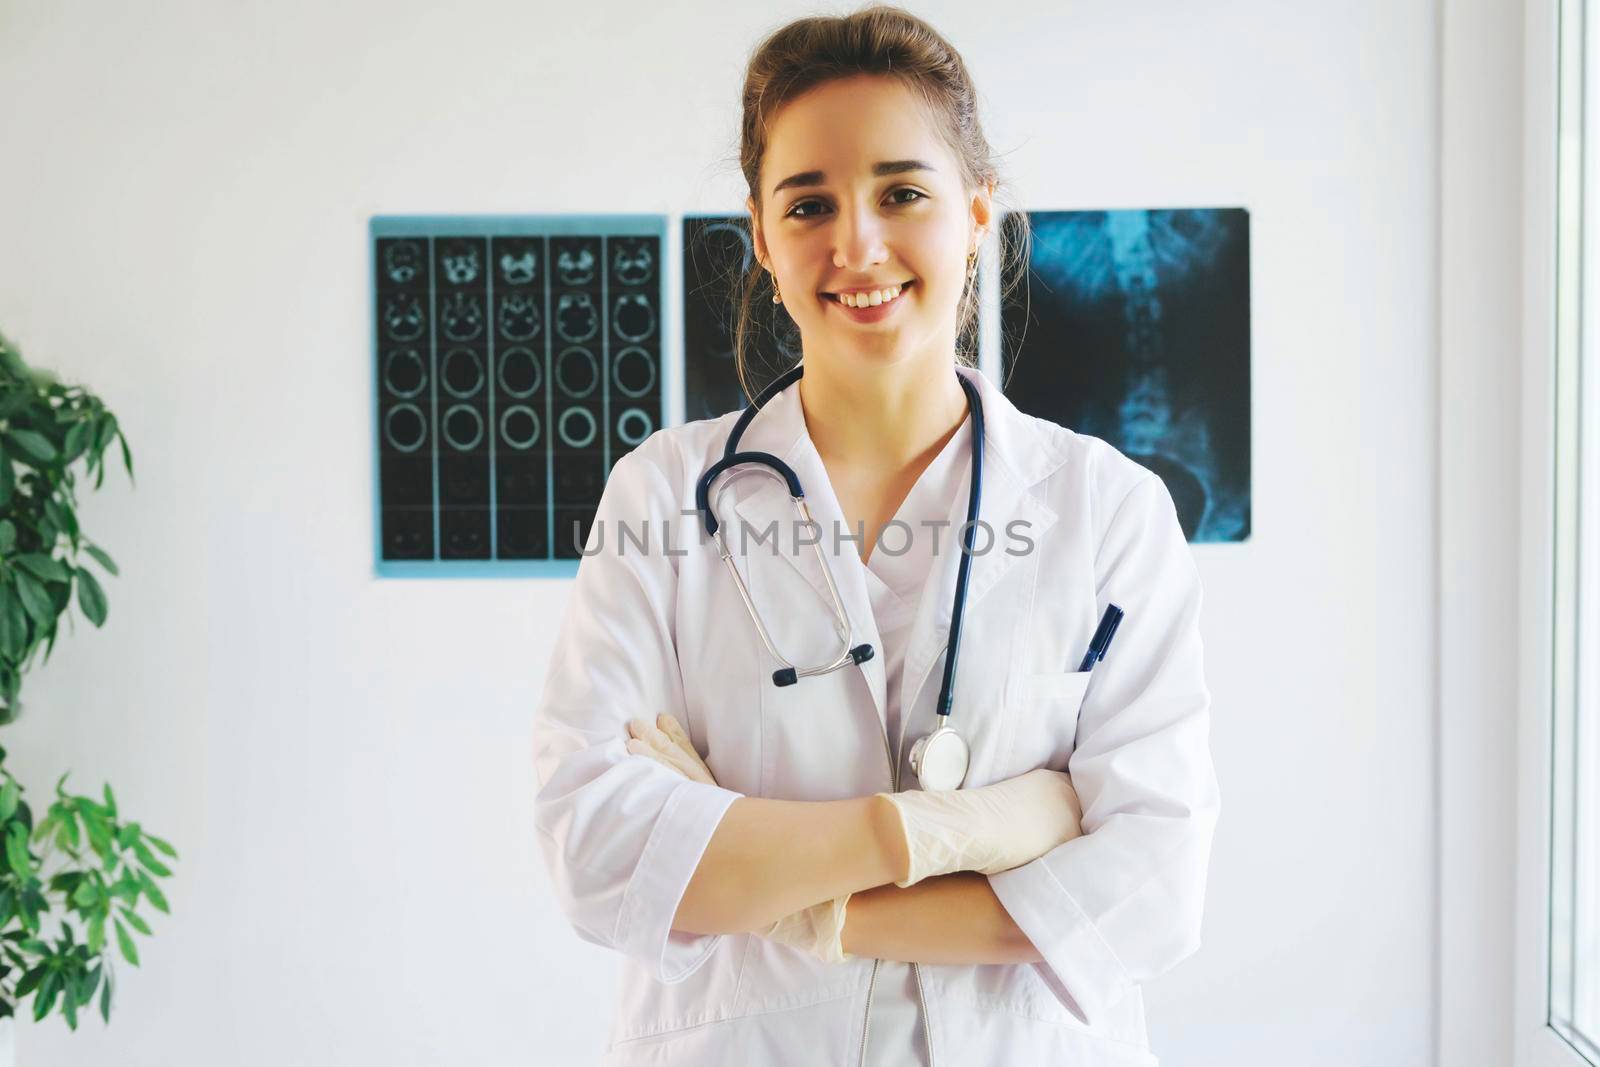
x=1134 y=326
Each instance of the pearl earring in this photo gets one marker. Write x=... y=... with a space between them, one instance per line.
x=777 y=297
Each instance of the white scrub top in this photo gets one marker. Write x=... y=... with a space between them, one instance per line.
x=896 y=573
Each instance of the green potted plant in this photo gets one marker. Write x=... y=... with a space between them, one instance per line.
x=71 y=882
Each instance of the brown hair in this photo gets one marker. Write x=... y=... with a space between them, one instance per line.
x=882 y=40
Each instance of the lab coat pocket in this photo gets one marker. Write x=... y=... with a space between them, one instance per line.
x=1044 y=719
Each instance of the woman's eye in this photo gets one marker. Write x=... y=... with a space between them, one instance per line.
x=796 y=212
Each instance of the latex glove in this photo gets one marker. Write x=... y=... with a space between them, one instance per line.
x=990 y=829
x=817 y=930
x=667 y=744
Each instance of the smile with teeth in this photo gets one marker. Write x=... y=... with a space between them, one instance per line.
x=869 y=297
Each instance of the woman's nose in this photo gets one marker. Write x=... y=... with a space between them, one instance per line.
x=858 y=239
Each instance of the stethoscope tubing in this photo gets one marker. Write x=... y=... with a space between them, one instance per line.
x=775 y=467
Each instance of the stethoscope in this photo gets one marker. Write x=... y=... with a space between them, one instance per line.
x=940 y=759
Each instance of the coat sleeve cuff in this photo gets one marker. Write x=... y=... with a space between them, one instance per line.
x=1079 y=966
x=679 y=839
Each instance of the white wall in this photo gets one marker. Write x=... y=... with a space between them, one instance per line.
x=344 y=762
x=1480 y=375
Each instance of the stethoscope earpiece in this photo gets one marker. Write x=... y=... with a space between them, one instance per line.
x=861 y=653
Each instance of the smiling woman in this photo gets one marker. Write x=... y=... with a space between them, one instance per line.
x=870 y=194
x=789 y=875
x=844 y=161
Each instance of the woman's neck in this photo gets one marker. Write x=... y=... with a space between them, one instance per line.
x=884 y=418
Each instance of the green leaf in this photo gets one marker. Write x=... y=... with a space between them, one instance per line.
x=136 y=921
x=73 y=445
x=86 y=895
x=127 y=887
x=69 y=826
x=53 y=826
x=65 y=881
x=148 y=858
x=17 y=851
x=8 y=486
x=35 y=599
x=95 y=824
x=127 y=457
x=153 y=892
x=97 y=933
x=91 y=598
x=162 y=845
x=46 y=997
x=13 y=624
x=111 y=800
x=51 y=570
x=11 y=361
x=10 y=793
x=41 y=834
x=36 y=445
x=101 y=558
x=105 y=429
x=8 y=530
x=62 y=516
x=105 y=1000
x=84 y=988
x=125 y=942
x=31 y=980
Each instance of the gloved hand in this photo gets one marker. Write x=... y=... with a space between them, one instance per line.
x=990 y=829
x=667 y=744
x=818 y=929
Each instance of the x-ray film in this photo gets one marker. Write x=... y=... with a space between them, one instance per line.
x=1134 y=326
x=517 y=359
x=717 y=253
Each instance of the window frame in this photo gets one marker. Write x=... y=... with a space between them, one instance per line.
x=1553 y=176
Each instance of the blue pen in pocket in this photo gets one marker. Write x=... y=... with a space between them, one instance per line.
x=1102 y=637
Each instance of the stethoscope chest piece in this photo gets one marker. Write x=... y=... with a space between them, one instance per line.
x=940 y=760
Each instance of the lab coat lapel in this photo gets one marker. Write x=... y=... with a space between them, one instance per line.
x=765 y=505
x=1016 y=459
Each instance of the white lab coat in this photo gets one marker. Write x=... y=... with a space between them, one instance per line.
x=664 y=630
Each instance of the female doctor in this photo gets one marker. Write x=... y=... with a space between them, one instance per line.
x=812 y=837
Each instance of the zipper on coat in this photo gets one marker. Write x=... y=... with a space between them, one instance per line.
x=916 y=969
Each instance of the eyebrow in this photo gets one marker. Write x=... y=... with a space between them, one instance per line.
x=816 y=177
